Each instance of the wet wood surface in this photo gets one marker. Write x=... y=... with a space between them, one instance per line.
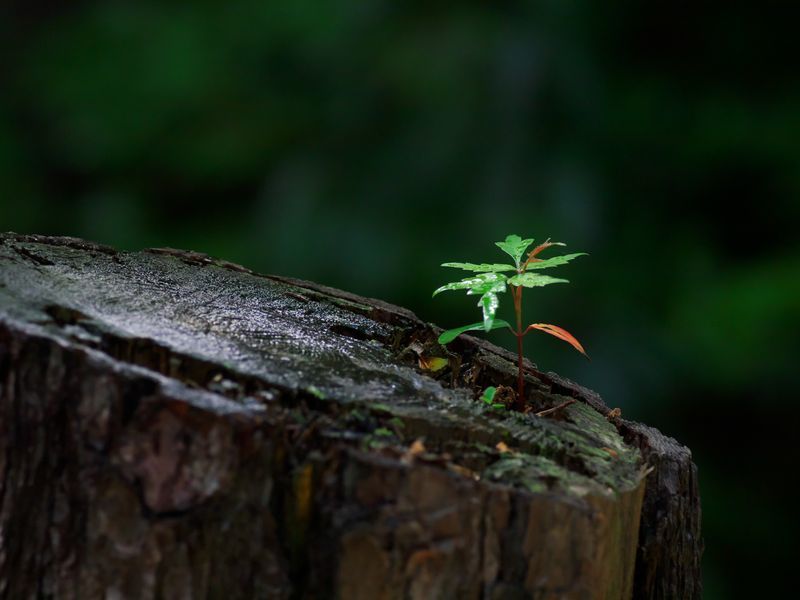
x=173 y=425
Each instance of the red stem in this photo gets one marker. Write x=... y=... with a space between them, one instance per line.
x=519 y=334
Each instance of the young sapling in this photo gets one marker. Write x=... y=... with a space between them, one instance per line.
x=490 y=279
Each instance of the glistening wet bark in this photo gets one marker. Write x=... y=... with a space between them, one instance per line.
x=176 y=426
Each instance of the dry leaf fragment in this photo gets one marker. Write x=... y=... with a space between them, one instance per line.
x=463 y=471
x=414 y=450
x=432 y=363
x=417 y=447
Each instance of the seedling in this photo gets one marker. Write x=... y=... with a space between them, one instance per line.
x=488 y=399
x=490 y=279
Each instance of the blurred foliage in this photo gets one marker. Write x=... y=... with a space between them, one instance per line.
x=341 y=142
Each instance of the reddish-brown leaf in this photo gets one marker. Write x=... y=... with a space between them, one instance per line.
x=543 y=246
x=560 y=333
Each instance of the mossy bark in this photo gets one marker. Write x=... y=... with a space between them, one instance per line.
x=175 y=426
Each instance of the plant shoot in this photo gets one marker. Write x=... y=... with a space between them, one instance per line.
x=490 y=279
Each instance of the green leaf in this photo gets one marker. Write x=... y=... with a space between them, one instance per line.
x=478 y=283
x=315 y=391
x=451 y=334
x=489 y=303
x=483 y=267
x=488 y=398
x=493 y=285
x=534 y=280
x=514 y=246
x=554 y=262
x=488 y=394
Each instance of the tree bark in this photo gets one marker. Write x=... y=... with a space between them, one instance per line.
x=174 y=426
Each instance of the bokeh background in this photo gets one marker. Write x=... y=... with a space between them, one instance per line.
x=361 y=144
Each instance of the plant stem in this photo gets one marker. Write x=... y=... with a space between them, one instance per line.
x=519 y=334
x=544 y=413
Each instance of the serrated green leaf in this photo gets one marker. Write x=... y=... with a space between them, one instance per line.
x=451 y=334
x=478 y=283
x=489 y=303
x=554 y=262
x=514 y=246
x=481 y=267
x=531 y=280
x=492 y=285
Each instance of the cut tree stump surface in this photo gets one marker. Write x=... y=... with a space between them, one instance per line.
x=175 y=426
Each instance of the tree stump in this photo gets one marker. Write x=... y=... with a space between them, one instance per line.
x=174 y=426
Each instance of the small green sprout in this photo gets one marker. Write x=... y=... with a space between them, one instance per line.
x=316 y=392
x=490 y=279
x=488 y=399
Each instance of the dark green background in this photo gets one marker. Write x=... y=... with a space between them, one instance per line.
x=362 y=144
